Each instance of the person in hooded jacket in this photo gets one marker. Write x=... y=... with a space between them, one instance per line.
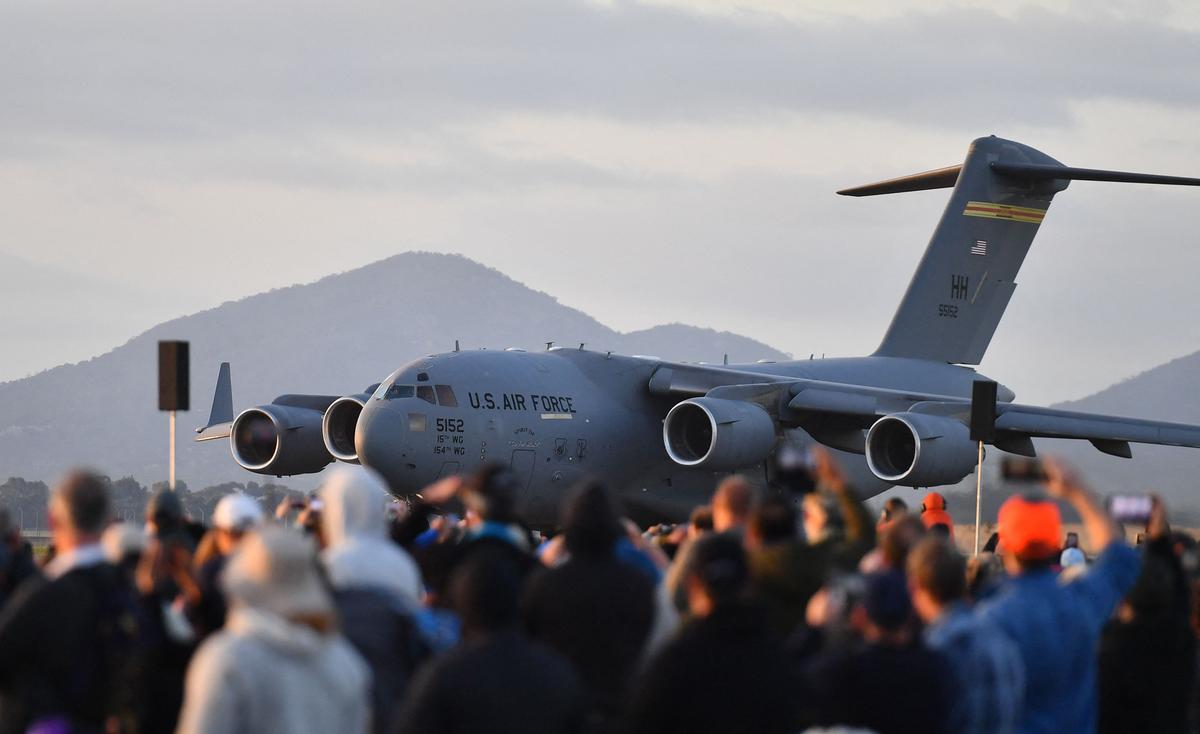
x=279 y=664
x=376 y=584
x=933 y=512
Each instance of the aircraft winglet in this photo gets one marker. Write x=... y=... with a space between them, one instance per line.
x=220 y=417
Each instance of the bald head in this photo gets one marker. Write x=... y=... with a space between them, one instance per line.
x=732 y=503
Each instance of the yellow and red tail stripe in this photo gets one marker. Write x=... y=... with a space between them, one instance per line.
x=1004 y=211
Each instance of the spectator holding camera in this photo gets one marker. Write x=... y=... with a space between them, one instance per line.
x=1147 y=651
x=1056 y=627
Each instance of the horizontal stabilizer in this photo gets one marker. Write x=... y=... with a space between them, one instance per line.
x=944 y=178
x=941 y=178
x=1045 y=172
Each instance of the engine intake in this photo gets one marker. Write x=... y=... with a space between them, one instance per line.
x=718 y=434
x=339 y=425
x=279 y=440
x=918 y=450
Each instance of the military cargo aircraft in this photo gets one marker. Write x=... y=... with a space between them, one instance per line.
x=661 y=432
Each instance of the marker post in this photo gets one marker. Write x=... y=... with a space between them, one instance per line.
x=173 y=393
x=171 y=482
x=978 y=494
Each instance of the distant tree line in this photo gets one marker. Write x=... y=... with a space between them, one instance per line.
x=26 y=500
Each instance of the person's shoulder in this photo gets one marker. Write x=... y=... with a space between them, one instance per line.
x=221 y=656
x=1001 y=603
x=1116 y=558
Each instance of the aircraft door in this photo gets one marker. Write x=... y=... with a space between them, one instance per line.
x=522 y=466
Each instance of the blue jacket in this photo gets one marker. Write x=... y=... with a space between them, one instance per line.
x=1056 y=629
x=988 y=668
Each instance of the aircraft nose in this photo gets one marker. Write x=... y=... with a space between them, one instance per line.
x=379 y=438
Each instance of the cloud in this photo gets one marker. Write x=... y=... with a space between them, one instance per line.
x=147 y=71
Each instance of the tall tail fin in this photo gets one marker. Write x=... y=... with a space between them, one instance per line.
x=967 y=276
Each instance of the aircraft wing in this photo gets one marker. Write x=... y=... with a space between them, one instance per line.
x=1099 y=429
x=802 y=400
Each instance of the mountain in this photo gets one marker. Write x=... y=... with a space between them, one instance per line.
x=1167 y=392
x=334 y=336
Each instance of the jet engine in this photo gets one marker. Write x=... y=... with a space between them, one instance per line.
x=279 y=440
x=718 y=434
x=339 y=424
x=919 y=450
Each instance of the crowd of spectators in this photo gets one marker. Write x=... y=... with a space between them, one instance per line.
x=769 y=611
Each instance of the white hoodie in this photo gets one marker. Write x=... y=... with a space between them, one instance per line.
x=263 y=674
x=360 y=555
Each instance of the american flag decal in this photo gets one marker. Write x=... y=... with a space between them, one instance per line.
x=979 y=248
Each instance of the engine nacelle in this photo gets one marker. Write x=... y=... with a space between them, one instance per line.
x=718 y=434
x=339 y=425
x=919 y=450
x=279 y=440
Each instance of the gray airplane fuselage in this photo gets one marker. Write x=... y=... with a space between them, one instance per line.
x=561 y=415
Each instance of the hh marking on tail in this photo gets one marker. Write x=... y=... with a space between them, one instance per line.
x=1004 y=211
x=958 y=287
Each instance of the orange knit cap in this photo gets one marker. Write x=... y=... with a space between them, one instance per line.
x=1030 y=528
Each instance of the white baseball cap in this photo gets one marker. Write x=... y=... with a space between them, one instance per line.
x=237 y=513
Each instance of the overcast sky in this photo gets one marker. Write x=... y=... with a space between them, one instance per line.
x=645 y=162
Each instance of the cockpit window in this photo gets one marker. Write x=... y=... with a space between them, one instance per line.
x=445 y=396
x=398 y=391
x=425 y=392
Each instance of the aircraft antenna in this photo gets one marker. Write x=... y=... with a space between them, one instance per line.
x=726 y=360
x=548 y=345
x=581 y=346
x=456 y=348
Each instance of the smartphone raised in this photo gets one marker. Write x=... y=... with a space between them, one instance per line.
x=1130 y=508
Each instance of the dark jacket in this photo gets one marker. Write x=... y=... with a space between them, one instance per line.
x=1147 y=663
x=723 y=673
x=500 y=684
x=383 y=632
x=16 y=565
x=596 y=613
x=65 y=649
x=208 y=615
x=785 y=576
x=890 y=690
